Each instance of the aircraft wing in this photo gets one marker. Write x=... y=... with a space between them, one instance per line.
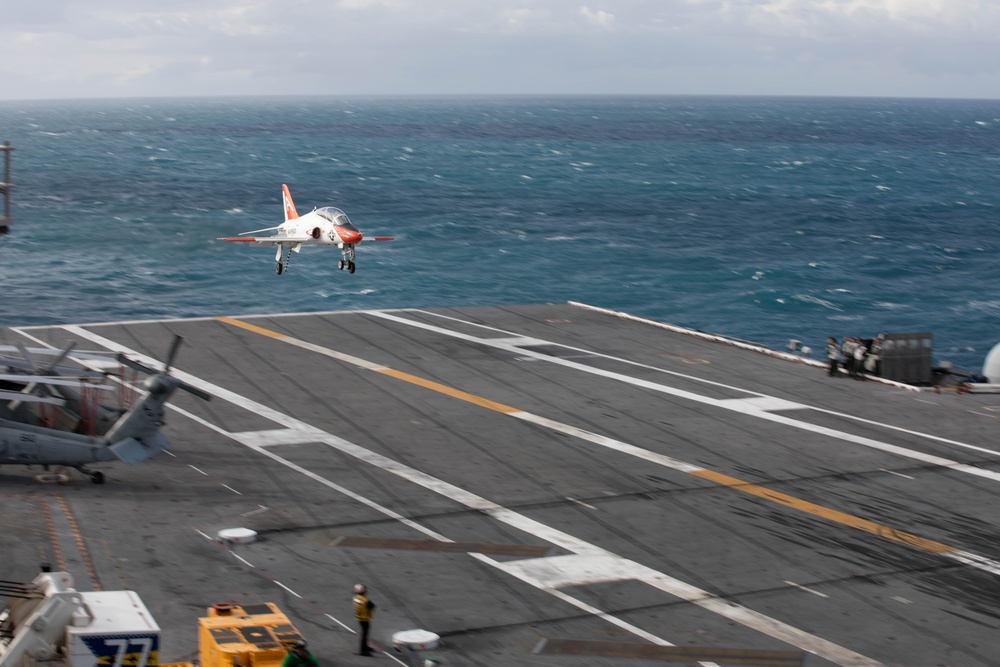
x=258 y=231
x=267 y=240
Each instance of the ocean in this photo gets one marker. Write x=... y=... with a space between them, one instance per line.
x=764 y=219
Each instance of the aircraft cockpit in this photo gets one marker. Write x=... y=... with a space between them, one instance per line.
x=336 y=216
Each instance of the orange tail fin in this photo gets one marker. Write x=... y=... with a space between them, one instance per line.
x=286 y=197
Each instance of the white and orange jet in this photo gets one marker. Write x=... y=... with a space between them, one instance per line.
x=323 y=227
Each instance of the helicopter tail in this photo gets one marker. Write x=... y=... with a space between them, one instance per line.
x=132 y=451
x=136 y=435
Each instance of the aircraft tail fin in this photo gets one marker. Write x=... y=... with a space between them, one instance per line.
x=289 y=205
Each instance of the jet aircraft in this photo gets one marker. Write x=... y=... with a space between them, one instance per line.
x=323 y=227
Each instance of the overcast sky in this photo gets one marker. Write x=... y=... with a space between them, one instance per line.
x=138 y=48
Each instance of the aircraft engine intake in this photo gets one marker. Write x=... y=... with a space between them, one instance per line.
x=316 y=232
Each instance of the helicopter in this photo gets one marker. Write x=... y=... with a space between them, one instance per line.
x=53 y=415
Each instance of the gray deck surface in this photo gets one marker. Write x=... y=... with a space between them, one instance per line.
x=679 y=499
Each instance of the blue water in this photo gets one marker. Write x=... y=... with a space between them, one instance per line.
x=760 y=218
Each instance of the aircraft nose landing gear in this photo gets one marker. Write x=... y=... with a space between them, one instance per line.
x=348 y=261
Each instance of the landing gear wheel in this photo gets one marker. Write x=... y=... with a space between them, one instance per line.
x=340 y=265
x=350 y=266
x=97 y=477
x=281 y=259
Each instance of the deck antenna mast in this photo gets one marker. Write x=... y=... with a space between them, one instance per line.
x=5 y=186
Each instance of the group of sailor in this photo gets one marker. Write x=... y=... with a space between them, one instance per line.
x=855 y=355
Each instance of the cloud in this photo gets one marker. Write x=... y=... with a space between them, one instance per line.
x=840 y=19
x=58 y=48
x=368 y=4
x=523 y=19
x=598 y=17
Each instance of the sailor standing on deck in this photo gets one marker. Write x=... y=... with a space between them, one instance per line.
x=874 y=355
x=832 y=354
x=848 y=351
x=859 y=352
x=363 y=608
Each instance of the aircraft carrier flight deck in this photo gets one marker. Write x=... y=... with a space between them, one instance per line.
x=535 y=484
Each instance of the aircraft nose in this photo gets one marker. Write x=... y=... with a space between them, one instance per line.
x=350 y=235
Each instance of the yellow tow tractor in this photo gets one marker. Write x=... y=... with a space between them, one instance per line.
x=243 y=635
x=48 y=623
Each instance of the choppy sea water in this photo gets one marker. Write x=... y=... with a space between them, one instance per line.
x=765 y=219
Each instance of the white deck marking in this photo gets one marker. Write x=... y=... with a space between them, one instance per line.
x=766 y=403
x=740 y=406
x=520 y=341
x=122 y=322
x=619 y=568
x=260 y=508
x=285 y=587
x=609 y=443
x=580 y=502
x=806 y=589
x=338 y=622
x=270 y=438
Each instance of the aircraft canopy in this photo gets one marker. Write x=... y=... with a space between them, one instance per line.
x=336 y=216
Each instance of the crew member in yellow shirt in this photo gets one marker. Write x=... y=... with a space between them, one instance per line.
x=363 y=608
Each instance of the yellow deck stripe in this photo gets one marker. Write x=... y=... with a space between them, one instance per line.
x=449 y=391
x=733 y=483
x=250 y=327
x=824 y=512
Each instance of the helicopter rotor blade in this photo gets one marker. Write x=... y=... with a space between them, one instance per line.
x=173 y=353
x=203 y=395
x=135 y=365
x=6 y=395
x=35 y=367
x=142 y=368
x=62 y=355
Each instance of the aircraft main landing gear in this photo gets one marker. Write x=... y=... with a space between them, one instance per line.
x=96 y=476
x=281 y=263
